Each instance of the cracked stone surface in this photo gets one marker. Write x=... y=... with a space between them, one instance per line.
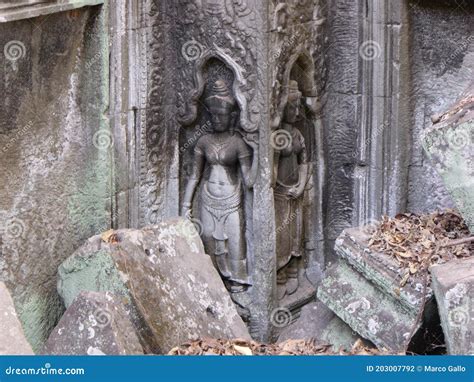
x=363 y=289
x=453 y=285
x=169 y=286
x=318 y=322
x=94 y=324
x=12 y=338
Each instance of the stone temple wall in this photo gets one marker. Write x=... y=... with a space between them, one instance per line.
x=371 y=73
x=391 y=66
x=442 y=46
x=55 y=182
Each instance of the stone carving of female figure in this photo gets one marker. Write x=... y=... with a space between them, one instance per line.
x=291 y=171
x=223 y=161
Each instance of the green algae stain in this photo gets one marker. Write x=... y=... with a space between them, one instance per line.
x=96 y=272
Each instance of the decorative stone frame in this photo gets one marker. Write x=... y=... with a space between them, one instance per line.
x=239 y=82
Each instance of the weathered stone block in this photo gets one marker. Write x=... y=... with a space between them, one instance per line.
x=321 y=324
x=170 y=287
x=12 y=338
x=363 y=289
x=450 y=146
x=380 y=269
x=453 y=285
x=94 y=324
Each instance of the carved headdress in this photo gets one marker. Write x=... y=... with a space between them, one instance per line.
x=220 y=99
x=293 y=91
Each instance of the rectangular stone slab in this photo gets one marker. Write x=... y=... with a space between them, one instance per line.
x=453 y=285
x=382 y=270
x=373 y=314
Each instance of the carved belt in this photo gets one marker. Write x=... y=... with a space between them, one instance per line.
x=221 y=207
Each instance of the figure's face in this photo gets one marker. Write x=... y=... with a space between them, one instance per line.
x=220 y=120
x=292 y=111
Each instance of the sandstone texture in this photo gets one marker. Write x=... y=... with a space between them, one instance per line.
x=450 y=146
x=94 y=324
x=363 y=288
x=318 y=322
x=12 y=338
x=453 y=285
x=170 y=288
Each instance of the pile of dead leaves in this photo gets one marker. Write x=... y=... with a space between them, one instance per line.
x=245 y=347
x=418 y=241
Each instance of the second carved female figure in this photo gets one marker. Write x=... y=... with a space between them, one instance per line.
x=223 y=161
x=291 y=178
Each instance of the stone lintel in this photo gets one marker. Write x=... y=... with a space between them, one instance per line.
x=29 y=9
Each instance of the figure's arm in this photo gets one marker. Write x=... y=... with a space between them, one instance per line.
x=249 y=163
x=303 y=171
x=192 y=184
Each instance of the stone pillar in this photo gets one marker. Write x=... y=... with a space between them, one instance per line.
x=367 y=115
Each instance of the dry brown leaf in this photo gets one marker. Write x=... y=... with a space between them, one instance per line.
x=109 y=236
x=243 y=350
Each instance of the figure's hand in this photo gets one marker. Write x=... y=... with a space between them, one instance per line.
x=187 y=213
x=251 y=140
x=295 y=192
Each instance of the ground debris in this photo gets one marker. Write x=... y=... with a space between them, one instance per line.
x=419 y=241
x=244 y=347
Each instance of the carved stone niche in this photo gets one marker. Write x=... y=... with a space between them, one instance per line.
x=218 y=164
x=224 y=59
x=296 y=181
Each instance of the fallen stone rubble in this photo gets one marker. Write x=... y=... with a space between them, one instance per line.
x=245 y=347
x=453 y=285
x=12 y=338
x=380 y=284
x=449 y=144
x=94 y=324
x=169 y=287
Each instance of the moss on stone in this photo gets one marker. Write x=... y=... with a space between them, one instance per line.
x=96 y=273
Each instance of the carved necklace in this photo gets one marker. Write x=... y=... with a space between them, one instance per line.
x=219 y=145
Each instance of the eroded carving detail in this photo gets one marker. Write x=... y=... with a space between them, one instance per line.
x=219 y=159
x=291 y=172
